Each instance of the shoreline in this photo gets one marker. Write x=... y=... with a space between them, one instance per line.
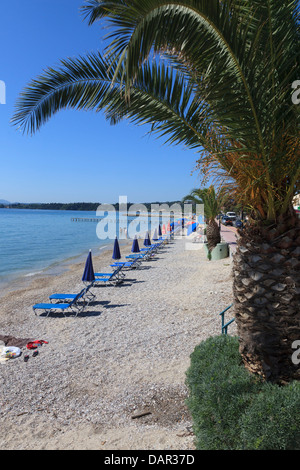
x=126 y=354
x=56 y=268
x=15 y=273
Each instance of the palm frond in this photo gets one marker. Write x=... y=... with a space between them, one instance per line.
x=161 y=98
x=221 y=85
x=212 y=200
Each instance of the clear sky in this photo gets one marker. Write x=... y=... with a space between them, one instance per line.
x=77 y=156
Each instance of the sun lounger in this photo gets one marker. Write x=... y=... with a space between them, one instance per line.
x=126 y=265
x=114 y=278
x=69 y=297
x=137 y=256
x=135 y=259
x=152 y=248
x=73 y=305
x=146 y=254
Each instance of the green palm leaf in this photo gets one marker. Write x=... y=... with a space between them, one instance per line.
x=213 y=201
x=222 y=85
x=243 y=74
x=160 y=98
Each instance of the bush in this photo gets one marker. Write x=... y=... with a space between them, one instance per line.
x=233 y=409
x=272 y=421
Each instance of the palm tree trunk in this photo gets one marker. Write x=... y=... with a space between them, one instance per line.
x=212 y=234
x=267 y=298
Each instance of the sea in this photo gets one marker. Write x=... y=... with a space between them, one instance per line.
x=35 y=242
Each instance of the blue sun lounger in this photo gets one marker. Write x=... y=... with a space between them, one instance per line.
x=143 y=255
x=126 y=265
x=69 y=297
x=114 y=278
x=73 y=305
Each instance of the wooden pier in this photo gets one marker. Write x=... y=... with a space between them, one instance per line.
x=84 y=219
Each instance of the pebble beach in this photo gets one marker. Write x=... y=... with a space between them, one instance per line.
x=114 y=376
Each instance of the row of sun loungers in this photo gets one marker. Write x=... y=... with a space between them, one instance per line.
x=76 y=303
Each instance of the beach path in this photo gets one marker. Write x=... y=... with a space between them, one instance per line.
x=230 y=235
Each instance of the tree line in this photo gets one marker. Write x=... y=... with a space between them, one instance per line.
x=77 y=206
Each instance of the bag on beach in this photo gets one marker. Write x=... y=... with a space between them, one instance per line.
x=9 y=352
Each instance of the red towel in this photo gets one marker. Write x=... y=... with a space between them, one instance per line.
x=35 y=344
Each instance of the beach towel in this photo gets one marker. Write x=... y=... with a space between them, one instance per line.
x=35 y=344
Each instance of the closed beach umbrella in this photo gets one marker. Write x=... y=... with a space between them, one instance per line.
x=147 y=241
x=88 y=273
x=135 y=246
x=155 y=237
x=116 y=252
x=164 y=229
x=168 y=227
x=159 y=231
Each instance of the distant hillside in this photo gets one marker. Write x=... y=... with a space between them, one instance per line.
x=4 y=202
x=74 y=206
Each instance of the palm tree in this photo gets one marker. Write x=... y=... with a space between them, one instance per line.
x=212 y=206
x=216 y=76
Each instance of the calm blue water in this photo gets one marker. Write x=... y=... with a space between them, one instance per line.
x=34 y=240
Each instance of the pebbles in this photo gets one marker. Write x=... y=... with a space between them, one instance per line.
x=128 y=351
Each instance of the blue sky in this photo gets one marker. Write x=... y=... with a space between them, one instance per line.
x=76 y=156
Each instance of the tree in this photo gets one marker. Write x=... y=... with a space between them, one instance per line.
x=212 y=207
x=215 y=76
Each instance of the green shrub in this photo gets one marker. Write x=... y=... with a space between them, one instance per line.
x=272 y=422
x=233 y=409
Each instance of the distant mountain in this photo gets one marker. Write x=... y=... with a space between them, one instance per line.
x=3 y=201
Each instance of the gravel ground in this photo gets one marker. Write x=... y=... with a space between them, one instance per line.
x=113 y=377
